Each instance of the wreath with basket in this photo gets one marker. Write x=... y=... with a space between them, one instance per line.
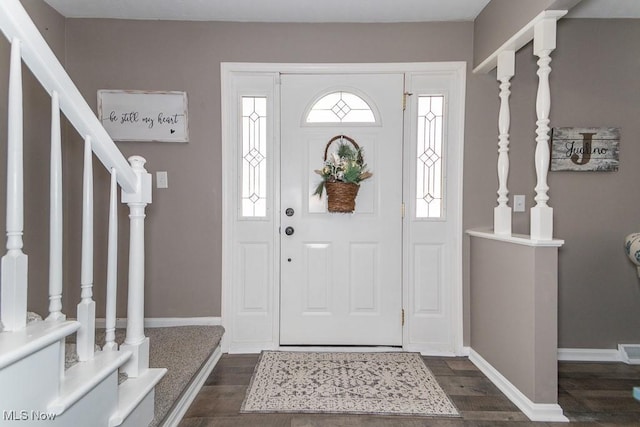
x=341 y=173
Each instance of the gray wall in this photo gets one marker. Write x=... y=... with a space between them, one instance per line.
x=184 y=222
x=594 y=82
x=37 y=122
x=514 y=314
x=597 y=83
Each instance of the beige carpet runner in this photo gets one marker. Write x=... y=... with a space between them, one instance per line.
x=347 y=383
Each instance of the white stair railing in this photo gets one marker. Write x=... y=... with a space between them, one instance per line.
x=36 y=54
x=29 y=46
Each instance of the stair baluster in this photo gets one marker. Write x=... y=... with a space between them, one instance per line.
x=55 y=215
x=13 y=309
x=87 y=307
x=112 y=266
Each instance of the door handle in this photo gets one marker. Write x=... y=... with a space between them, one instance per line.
x=289 y=231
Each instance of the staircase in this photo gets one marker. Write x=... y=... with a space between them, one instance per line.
x=34 y=384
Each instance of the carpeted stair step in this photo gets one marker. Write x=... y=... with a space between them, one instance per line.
x=182 y=350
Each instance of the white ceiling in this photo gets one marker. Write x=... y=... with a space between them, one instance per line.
x=275 y=10
x=314 y=10
x=606 y=9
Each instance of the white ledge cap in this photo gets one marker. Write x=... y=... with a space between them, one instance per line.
x=518 y=239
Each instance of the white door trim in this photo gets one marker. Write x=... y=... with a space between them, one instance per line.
x=228 y=105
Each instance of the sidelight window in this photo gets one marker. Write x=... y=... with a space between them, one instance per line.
x=429 y=171
x=254 y=156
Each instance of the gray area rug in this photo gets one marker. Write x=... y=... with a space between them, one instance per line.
x=348 y=383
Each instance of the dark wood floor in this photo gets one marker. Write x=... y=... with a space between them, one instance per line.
x=590 y=394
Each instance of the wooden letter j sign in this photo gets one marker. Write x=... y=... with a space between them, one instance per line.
x=585 y=149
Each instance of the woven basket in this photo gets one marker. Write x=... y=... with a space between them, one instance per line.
x=341 y=196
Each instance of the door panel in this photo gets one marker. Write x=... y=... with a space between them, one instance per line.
x=341 y=274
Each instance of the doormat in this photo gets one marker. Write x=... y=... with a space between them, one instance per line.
x=346 y=383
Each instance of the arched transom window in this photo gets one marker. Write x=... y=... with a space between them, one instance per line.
x=341 y=107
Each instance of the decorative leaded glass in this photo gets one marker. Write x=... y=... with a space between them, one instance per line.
x=254 y=156
x=429 y=157
x=341 y=107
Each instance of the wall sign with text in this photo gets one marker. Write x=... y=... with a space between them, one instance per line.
x=130 y=115
x=585 y=149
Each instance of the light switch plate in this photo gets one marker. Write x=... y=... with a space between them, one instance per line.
x=162 y=179
x=518 y=203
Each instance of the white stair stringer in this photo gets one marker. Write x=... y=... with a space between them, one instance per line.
x=82 y=378
x=29 y=378
x=136 y=400
x=33 y=385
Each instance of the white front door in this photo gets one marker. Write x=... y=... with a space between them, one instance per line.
x=350 y=275
x=341 y=274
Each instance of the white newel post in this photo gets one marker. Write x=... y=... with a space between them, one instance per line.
x=502 y=212
x=87 y=306
x=55 y=216
x=135 y=340
x=13 y=308
x=112 y=267
x=544 y=42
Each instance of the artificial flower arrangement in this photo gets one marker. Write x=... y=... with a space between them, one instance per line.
x=341 y=175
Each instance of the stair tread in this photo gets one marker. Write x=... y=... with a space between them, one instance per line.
x=16 y=345
x=133 y=391
x=81 y=378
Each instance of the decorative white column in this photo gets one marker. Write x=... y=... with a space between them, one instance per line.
x=502 y=212
x=13 y=296
x=55 y=216
x=87 y=306
x=112 y=267
x=135 y=340
x=544 y=42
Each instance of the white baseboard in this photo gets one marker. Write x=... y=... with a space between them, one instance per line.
x=535 y=411
x=341 y=349
x=246 y=348
x=252 y=348
x=165 y=322
x=629 y=353
x=187 y=398
x=431 y=350
x=589 y=355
